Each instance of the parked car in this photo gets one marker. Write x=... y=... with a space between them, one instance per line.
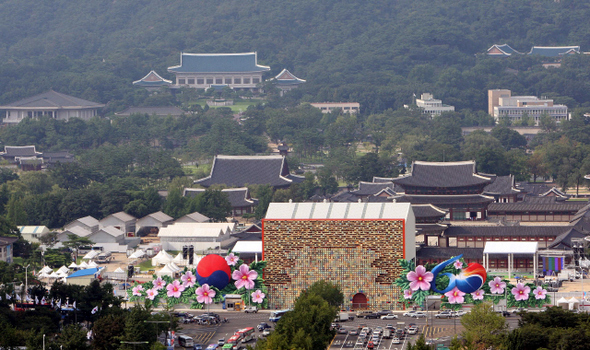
x=262 y=326
x=389 y=326
x=384 y=312
x=221 y=341
x=342 y=330
x=460 y=313
x=373 y=315
x=520 y=309
x=370 y=345
x=413 y=330
x=419 y=314
x=266 y=332
x=504 y=313
x=389 y=317
x=353 y=332
x=395 y=340
x=198 y=347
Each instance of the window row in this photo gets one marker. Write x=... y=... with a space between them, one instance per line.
x=217 y=81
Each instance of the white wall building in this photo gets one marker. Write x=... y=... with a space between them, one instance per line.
x=201 y=236
x=346 y=107
x=432 y=106
x=503 y=105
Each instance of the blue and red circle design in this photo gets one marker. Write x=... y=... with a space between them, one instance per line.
x=214 y=271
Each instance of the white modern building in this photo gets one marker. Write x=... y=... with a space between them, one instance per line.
x=329 y=107
x=432 y=106
x=202 y=236
x=502 y=105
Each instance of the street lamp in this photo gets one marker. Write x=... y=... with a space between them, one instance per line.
x=27 y=280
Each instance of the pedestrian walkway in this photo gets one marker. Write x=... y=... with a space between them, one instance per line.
x=203 y=337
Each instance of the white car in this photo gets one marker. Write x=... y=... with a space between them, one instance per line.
x=409 y=313
x=419 y=314
x=250 y=309
x=460 y=313
x=395 y=340
x=412 y=330
x=389 y=317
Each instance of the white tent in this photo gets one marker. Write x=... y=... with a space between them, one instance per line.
x=73 y=265
x=174 y=267
x=54 y=275
x=161 y=258
x=91 y=254
x=178 y=259
x=46 y=269
x=573 y=303
x=43 y=275
x=138 y=254
x=563 y=302
x=83 y=265
x=61 y=274
x=63 y=269
x=119 y=270
x=92 y=264
x=166 y=271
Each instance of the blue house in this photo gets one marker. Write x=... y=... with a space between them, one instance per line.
x=239 y=71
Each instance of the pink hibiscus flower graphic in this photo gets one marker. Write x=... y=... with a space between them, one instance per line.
x=244 y=277
x=159 y=283
x=497 y=286
x=477 y=295
x=231 y=259
x=258 y=296
x=205 y=294
x=521 y=292
x=408 y=294
x=458 y=265
x=420 y=279
x=151 y=293
x=540 y=293
x=137 y=290
x=188 y=279
x=175 y=289
x=455 y=296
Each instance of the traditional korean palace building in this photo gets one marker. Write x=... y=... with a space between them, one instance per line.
x=286 y=81
x=453 y=186
x=239 y=71
x=354 y=245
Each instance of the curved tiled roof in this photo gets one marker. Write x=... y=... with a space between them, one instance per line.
x=505 y=231
x=218 y=63
x=537 y=204
x=443 y=174
x=445 y=201
x=239 y=171
x=446 y=253
x=428 y=211
x=52 y=100
x=501 y=185
x=369 y=188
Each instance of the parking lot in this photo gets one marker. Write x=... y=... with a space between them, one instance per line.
x=439 y=331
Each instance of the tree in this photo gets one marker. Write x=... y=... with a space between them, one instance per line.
x=72 y=337
x=329 y=291
x=484 y=328
x=216 y=205
x=106 y=331
x=509 y=138
x=74 y=243
x=175 y=203
x=264 y=195
x=420 y=344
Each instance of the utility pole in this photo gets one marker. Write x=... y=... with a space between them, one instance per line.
x=26 y=281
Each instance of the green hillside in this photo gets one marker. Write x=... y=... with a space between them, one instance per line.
x=376 y=52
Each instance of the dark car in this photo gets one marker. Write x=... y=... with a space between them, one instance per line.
x=384 y=312
x=373 y=315
x=198 y=347
x=262 y=326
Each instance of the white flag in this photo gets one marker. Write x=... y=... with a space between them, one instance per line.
x=95 y=310
x=18 y=297
x=8 y=297
x=36 y=300
x=74 y=305
x=28 y=298
x=89 y=335
x=59 y=304
x=43 y=301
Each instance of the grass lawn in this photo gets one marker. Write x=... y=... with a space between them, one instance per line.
x=146 y=265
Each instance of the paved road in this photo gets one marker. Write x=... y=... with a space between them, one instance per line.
x=439 y=330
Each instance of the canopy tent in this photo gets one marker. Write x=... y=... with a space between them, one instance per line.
x=178 y=259
x=510 y=249
x=43 y=275
x=60 y=274
x=73 y=265
x=46 y=269
x=563 y=302
x=138 y=254
x=573 y=303
x=162 y=258
x=174 y=266
x=63 y=269
x=166 y=271
x=53 y=275
x=91 y=254
x=92 y=264
x=119 y=270
x=83 y=265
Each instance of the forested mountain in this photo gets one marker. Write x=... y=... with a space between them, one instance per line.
x=377 y=52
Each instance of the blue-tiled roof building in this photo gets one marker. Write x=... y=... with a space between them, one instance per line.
x=202 y=71
x=152 y=81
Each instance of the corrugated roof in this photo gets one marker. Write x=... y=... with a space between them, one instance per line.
x=218 y=63
x=196 y=229
x=85 y=272
x=339 y=211
x=442 y=174
x=511 y=247
x=158 y=111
